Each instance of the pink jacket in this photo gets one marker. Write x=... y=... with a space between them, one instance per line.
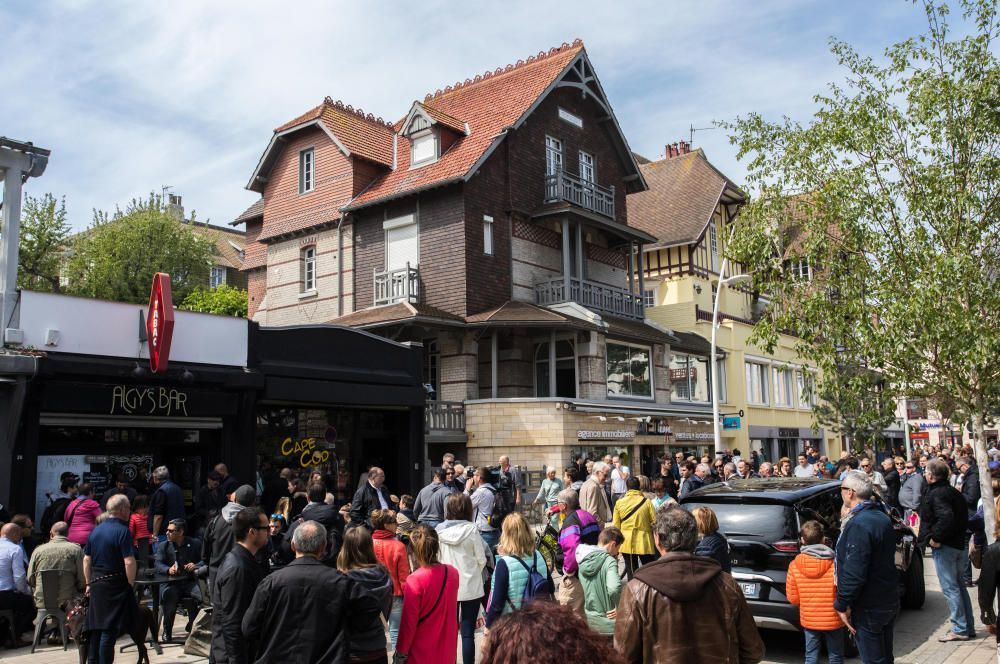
x=84 y=514
x=435 y=640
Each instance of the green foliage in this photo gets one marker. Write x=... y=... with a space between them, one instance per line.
x=44 y=231
x=891 y=190
x=116 y=258
x=223 y=300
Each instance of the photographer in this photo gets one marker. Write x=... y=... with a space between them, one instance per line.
x=484 y=498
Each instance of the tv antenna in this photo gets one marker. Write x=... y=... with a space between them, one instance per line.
x=693 y=129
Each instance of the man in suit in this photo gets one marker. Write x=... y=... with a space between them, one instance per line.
x=179 y=558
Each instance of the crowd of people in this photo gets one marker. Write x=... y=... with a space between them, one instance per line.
x=287 y=574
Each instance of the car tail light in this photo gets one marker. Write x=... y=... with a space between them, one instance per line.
x=787 y=547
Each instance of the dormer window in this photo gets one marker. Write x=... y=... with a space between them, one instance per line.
x=423 y=148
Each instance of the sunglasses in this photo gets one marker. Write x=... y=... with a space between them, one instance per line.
x=909 y=468
x=899 y=464
x=171 y=530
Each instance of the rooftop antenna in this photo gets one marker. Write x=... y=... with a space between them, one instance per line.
x=694 y=129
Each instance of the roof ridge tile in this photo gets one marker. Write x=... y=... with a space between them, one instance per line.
x=359 y=112
x=478 y=78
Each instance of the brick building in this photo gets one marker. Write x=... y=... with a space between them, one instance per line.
x=489 y=224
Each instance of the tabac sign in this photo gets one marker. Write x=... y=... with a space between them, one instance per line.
x=160 y=322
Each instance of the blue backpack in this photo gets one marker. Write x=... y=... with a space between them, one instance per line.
x=538 y=586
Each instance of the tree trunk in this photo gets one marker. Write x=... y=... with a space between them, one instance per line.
x=985 y=480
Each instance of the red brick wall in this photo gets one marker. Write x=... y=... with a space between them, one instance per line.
x=256 y=288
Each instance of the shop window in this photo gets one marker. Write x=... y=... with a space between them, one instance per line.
x=630 y=370
x=565 y=369
x=782 y=386
x=689 y=378
x=756 y=379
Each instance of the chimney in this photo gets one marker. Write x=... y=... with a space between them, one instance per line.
x=684 y=147
x=175 y=207
x=669 y=151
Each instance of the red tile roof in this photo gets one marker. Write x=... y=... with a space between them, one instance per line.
x=285 y=225
x=255 y=210
x=363 y=134
x=395 y=313
x=489 y=103
x=443 y=118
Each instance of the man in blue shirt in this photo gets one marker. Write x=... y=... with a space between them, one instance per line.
x=14 y=592
x=109 y=567
x=166 y=504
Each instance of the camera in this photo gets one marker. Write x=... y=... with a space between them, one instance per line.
x=470 y=471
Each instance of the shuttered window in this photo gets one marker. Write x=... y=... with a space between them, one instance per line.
x=402 y=240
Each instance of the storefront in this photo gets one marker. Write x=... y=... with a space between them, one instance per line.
x=774 y=443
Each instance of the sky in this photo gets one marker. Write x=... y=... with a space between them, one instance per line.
x=135 y=96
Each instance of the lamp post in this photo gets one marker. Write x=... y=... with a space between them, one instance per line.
x=723 y=281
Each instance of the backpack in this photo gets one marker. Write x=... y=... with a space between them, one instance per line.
x=500 y=509
x=538 y=586
x=53 y=513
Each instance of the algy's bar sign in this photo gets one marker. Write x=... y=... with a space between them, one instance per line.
x=126 y=400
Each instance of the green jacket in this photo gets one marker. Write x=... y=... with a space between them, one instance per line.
x=601 y=586
x=59 y=554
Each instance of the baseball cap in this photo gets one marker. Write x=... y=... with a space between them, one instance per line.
x=69 y=477
x=246 y=496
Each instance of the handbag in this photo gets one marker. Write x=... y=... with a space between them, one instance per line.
x=199 y=641
x=976 y=557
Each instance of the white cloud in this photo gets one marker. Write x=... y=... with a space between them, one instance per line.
x=132 y=96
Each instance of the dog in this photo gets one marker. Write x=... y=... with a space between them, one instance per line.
x=142 y=624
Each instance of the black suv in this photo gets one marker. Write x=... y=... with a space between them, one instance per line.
x=761 y=519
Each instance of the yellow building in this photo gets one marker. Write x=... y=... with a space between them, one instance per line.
x=766 y=401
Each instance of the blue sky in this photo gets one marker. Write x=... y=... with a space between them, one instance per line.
x=133 y=96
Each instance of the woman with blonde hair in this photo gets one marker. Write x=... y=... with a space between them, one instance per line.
x=711 y=543
x=784 y=468
x=392 y=554
x=371 y=596
x=516 y=560
x=428 y=631
x=283 y=507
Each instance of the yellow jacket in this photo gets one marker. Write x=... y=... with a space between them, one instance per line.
x=638 y=527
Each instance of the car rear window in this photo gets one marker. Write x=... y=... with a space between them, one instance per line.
x=769 y=523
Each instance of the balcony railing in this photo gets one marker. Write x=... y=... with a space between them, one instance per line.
x=399 y=285
x=603 y=299
x=444 y=417
x=563 y=186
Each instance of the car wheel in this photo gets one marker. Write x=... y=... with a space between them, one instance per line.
x=913 y=583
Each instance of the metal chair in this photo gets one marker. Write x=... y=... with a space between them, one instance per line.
x=8 y=615
x=50 y=595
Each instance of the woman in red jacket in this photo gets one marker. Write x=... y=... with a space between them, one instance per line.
x=392 y=554
x=81 y=515
x=428 y=632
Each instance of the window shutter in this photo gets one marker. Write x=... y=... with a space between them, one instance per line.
x=403 y=246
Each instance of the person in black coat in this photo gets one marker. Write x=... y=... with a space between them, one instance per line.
x=372 y=495
x=299 y=612
x=891 y=468
x=713 y=544
x=238 y=578
x=327 y=515
x=179 y=558
x=989 y=583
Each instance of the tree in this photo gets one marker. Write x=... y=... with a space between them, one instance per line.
x=44 y=233
x=853 y=402
x=899 y=166
x=223 y=300
x=116 y=258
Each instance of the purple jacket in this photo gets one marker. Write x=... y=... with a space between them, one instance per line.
x=579 y=527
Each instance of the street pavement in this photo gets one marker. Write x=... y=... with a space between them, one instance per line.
x=915 y=641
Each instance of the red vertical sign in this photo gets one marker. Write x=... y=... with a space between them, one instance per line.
x=160 y=322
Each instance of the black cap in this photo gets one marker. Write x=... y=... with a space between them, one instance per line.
x=68 y=477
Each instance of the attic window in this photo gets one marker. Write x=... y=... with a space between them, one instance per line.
x=574 y=120
x=424 y=148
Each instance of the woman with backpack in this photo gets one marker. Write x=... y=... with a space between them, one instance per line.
x=521 y=573
x=371 y=596
x=428 y=631
x=634 y=515
x=463 y=549
x=392 y=554
x=81 y=515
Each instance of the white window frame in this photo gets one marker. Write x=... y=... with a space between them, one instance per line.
x=216 y=276
x=762 y=371
x=307 y=170
x=571 y=118
x=588 y=167
x=553 y=155
x=800 y=269
x=782 y=381
x=487 y=235
x=309 y=269
x=397 y=223
x=427 y=134
x=713 y=243
x=649 y=297
x=652 y=373
x=692 y=361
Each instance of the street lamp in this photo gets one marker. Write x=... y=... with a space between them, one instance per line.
x=723 y=281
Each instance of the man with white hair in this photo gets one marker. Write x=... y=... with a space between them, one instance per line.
x=766 y=470
x=299 y=613
x=867 y=593
x=592 y=496
x=14 y=592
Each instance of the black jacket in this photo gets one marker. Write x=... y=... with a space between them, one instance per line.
x=189 y=552
x=300 y=613
x=988 y=580
x=866 y=561
x=329 y=516
x=234 y=587
x=943 y=516
x=371 y=600
x=716 y=547
x=365 y=502
x=971 y=491
x=892 y=483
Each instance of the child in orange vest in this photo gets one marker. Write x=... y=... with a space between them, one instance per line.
x=811 y=587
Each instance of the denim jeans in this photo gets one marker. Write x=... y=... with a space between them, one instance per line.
x=101 y=649
x=874 y=634
x=468 y=612
x=491 y=538
x=950 y=563
x=395 y=614
x=834 y=645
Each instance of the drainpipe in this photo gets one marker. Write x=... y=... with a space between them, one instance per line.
x=340 y=265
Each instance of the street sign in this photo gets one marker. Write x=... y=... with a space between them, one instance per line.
x=731 y=422
x=160 y=322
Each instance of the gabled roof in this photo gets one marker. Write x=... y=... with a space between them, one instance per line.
x=515 y=313
x=252 y=212
x=683 y=193
x=353 y=131
x=401 y=312
x=434 y=117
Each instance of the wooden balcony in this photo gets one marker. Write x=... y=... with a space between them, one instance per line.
x=400 y=285
x=444 y=420
x=563 y=186
x=599 y=298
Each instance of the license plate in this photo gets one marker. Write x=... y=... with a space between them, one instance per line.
x=751 y=590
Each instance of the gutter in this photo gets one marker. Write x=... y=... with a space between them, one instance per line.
x=340 y=265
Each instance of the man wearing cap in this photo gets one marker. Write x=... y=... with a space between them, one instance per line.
x=219 y=538
x=166 y=504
